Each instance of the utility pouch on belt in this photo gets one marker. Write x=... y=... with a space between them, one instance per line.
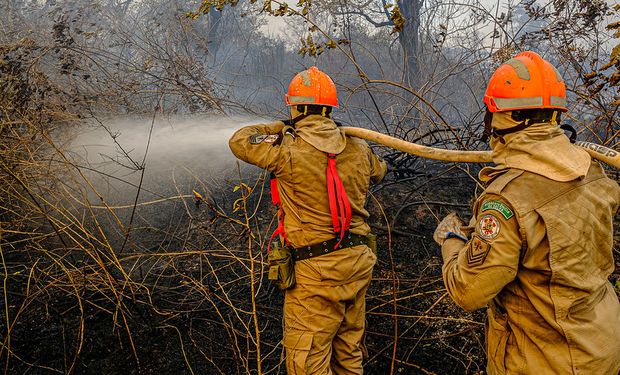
x=281 y=266
x=372 y=242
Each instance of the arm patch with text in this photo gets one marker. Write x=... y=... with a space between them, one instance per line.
x=498 y=206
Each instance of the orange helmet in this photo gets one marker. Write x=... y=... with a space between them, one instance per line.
x=312 y=86
x=523 y=82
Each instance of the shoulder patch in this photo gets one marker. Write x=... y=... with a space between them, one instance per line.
x=488 y=227
x=477 y=251
x=267 y=138
x=498 y=206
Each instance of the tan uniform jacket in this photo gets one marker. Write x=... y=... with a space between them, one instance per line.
x=324 y=314
x=298 y=159
x=540 y=257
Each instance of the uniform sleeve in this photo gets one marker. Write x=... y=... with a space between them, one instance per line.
x=378 y=168
x=259 y=145
x=478 y=270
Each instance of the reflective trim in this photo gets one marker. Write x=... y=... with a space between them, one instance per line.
x=301 y=99
x=503 y=103
x=557 y=101
x=520 y=67
x=557 y=74
x=306 y=77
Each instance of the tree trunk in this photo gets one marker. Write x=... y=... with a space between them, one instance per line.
x=409 y=37
x=215 y=37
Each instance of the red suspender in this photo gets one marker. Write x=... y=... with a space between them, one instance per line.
x=275 y=199
x=339 y=204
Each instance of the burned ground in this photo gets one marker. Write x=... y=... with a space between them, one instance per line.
x=178 y=298
x=111 y=266
x=182 y=310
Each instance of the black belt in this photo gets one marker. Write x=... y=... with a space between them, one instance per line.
x=326 y=247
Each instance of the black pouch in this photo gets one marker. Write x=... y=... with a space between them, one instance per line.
x=281 y=266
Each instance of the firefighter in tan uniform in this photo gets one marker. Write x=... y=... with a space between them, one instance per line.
x=325 y=226
x=538 y=250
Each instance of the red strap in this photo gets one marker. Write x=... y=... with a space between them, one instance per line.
x=275 y=199
x=338 y=200
x=331 y=193
x=275 y=195
x=339 y=204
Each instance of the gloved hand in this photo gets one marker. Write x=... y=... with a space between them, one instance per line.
x=451 y=223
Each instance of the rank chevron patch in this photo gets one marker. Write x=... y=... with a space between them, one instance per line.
x=477 y=251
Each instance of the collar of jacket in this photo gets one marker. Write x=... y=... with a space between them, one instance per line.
x=541 y=148
x=322 y=133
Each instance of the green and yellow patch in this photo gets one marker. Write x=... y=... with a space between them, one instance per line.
x=499 y=207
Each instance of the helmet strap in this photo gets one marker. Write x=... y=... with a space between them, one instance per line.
x=488 y=119
x=500 y=133
x=573 y=132
x=527 y=118
x=306 y=110
x=295 y=120
x=322 y=110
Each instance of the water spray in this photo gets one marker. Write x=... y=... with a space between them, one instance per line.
x=597 y=151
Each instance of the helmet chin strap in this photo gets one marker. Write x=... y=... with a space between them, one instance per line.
x=573 y=132
x=526 y=122
x=488 y=119
x=295 y=120
x=490 y=131
x=307 y=111
x=500 y=133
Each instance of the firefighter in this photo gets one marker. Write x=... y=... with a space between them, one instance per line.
x=323 y=178
x=538 y=249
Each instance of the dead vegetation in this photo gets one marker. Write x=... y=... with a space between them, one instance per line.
x=166 y=283
x=85 y=286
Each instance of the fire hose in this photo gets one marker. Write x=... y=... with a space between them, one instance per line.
x=597 y=151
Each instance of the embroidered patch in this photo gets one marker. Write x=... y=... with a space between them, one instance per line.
x=488 y=227
x=477 y=251
x=267 y=138
x=499 y=207
x=272 y=138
